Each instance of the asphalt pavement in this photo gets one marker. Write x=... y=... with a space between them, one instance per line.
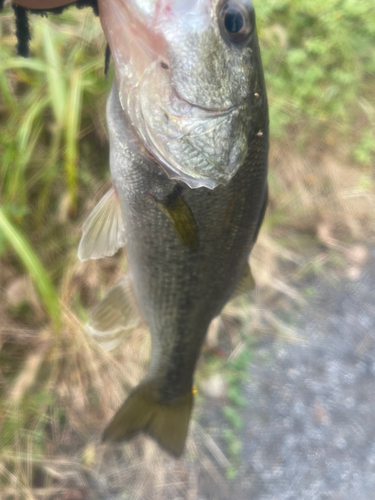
x=310 y=422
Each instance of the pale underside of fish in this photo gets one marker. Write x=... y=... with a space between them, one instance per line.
x=189 y=169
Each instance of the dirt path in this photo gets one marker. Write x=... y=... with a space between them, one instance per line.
x=310 y=424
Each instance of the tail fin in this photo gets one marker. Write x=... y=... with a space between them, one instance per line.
x=167 y=424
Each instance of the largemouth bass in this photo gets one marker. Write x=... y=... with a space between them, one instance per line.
x=188 y=127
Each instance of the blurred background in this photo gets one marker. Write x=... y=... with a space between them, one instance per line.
x=313 y=264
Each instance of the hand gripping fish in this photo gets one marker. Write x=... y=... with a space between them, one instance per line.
x=188 y=127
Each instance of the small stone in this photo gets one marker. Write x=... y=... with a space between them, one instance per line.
x=214 y=387
x=340 y=443
x=349 y=402
x=354 y=273
x=292 y=373
x=357 y=254
x=320 y=414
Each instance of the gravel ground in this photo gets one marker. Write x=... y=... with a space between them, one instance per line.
x=310 y=424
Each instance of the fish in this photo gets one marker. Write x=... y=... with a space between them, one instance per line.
x=187 y=117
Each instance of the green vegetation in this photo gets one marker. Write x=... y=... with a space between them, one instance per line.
x=57 y=389
x=235 y=374
x=33 y=266
x=319 y=62
x=50 y=139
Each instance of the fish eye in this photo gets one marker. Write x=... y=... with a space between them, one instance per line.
x=237 y=21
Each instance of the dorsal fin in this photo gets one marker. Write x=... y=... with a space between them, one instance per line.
x=115 y=317
x=103 y=230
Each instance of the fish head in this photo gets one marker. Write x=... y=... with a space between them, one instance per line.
x=188 y=74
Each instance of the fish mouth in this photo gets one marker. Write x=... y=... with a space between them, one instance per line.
x=212 y=112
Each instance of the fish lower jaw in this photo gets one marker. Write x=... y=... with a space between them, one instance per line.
x=210 y=111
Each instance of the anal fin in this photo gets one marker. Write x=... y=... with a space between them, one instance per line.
x=246 y=283
x=115 y=317
x=103 y=230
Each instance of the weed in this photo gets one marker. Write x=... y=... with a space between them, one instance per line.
x=34 y=267
x=236 y=372
x=318 y=67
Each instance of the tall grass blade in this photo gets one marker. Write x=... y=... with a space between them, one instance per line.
x=5 y=92
x=27 y=138
x=33 y=266
x=72 y=128
x=20 y=63
x=55 y=75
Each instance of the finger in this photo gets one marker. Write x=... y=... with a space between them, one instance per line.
x=42 y=4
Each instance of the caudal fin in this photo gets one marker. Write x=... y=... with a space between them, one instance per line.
x=167 y=424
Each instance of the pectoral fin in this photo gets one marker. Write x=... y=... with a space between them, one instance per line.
x=141 y=412
x=103 y=230
x=180 y=216
x=115 y=317
x=246 y=284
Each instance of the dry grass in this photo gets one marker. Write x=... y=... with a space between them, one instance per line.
x=87 y=384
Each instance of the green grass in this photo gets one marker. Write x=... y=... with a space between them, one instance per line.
x=236 y=371
x=33 y=265
x=319 y=68
x=47 y=109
